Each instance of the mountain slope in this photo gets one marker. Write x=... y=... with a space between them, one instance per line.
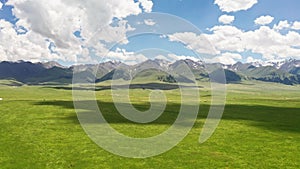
x=30 y=73
x=286 y=72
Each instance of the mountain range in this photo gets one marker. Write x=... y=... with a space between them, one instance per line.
x=286 y=72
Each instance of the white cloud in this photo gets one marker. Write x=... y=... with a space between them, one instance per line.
x=227 y=38
x=226 y=58
x=250 y=59
x=226 y=19
x=282 y=25
x=174 y=57
x=147 y=5
x=162 y=57
x=235 y=5
x=270 y=43
x=149 y=22
x=199 y=43
x=115 y=34
x=126 y=57
x=28 y=46
x=296 y=25
x=1 y=5
x=264 y=20
x=45 y=17
x=57 y=20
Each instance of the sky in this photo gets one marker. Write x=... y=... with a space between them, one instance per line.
x=76 y=32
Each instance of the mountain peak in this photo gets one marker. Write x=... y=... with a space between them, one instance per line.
x=287 y=72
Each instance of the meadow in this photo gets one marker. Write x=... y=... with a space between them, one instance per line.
x=260 y=128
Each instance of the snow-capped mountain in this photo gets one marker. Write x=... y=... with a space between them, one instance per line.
x=287 y=72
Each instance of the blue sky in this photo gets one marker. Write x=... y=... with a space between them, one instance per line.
x=204 y=14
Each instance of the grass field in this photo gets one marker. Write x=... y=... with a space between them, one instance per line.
x=260 y=128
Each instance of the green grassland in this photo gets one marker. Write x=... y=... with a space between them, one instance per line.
x=260 y=128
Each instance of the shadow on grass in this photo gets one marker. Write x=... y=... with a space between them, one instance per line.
x=151 y=86
x=266 y=117
x=111 y=114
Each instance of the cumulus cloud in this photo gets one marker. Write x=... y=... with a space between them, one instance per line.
x=199 y=43
x=173 y=57
x=270 y=43
x=250 y=59
x=147 y=5
x=61 y=18
x=1 y=5
x=57 y=20
x=235 y=5
x=162 y=57
x=226 y=19
x=282 y=25
x=149 y=22
x=115 y=34
x=31 y=46
x=264 y=20
x=126 y=57
x=296 y=25
x=181 y=57
x=227 y=38
x=226 y=58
